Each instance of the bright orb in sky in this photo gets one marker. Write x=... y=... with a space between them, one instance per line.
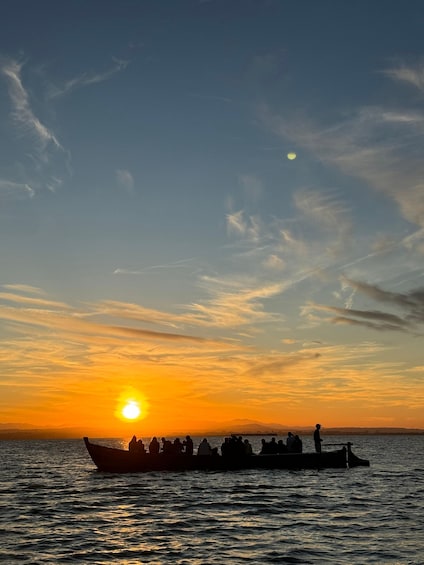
x=291 y=156
x=131 y=410
x=131 y=405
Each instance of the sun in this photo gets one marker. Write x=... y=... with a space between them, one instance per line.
x=131 y=405
x=131 y=410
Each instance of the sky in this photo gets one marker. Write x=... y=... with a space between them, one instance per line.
x=159 y=246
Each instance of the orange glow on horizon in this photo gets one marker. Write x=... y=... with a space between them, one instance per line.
x=173 y=400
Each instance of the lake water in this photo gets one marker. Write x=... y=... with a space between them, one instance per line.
x=56 y=508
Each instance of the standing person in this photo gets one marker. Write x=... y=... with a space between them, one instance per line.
x=317 y=438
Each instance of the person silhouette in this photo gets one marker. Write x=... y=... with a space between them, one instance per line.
x=317 y=438
x=154 y=446
x=132 y=446
x=188 y=444
x=204 y=448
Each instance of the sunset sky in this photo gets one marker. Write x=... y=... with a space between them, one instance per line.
x=158 y=245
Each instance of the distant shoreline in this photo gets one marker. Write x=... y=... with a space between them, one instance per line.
x=358 y=432
x=72 y=433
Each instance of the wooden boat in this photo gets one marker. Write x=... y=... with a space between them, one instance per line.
x=113 y=460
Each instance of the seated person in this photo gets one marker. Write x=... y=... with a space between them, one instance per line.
x=132 y=446
x=140 y=447
x=154 y=446
x=273 y=447
x=226 y=447
x=178 y=446
x=282 y=448
x=167 y=446
x=247 y=447
x=289 y=441
x=204 y=448
x=265 y=449
x=188 y=444
x=297 y=446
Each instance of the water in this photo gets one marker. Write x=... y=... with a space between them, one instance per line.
x=55 y=508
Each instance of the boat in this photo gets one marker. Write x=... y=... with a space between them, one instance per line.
x=113 y=460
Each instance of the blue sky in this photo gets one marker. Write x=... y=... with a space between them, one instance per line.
x=149 y=215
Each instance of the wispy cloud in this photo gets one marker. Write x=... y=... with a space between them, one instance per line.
x=234 y=303
x=374 y=144
x=32 y=301
x=25 y=288
x=181 y=264
x=252 y=187
x=329 y=214
x=44 y=161
x=22 y=111
x=125 y=180
x=228 y=304
x=87 y=79
x=375 y=320
x=128 y=311
x=274 y=262
x=412 y=301
x=412 y=75
x=60 y=317
x=240 y=224
x=410 y=304
x=15 y=188
x=323 y=208
x=44 y=342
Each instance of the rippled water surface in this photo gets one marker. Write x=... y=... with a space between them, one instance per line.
x=55 y=508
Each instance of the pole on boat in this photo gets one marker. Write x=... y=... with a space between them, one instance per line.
x=348 y=452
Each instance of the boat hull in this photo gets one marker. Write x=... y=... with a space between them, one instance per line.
x=112 y=460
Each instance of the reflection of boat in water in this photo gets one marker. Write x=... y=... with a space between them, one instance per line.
x=113 y=460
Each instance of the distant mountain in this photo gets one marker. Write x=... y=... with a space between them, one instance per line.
x=237 y=426
x=16 y=426
x=373 y=431
x=241 y=426
x=252 y=427
x=52 y=433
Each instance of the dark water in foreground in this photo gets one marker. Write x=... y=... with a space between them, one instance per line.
x=55 y=508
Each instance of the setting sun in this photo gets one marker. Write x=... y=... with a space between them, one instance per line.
x=131 y=410
x=131 y=405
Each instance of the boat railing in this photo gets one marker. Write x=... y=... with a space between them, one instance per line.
x=344 y=443
x=346 y=446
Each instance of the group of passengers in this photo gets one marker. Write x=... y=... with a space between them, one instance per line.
x=168 y=447
x=233 y=446
x=136 y=446
x=293 y=445
x=176 y=447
